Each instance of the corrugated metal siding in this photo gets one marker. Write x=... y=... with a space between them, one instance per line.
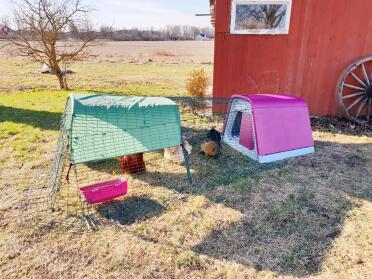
x=325 y=37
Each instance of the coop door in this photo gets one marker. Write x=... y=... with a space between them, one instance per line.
x=246 y=131
x=235 y=131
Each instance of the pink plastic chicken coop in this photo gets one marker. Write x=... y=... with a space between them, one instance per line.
x=269 y=128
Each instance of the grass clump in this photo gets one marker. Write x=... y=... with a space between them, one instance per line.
x=242 y=185
x=299 y=256
x=292 y=211
x=188 y=259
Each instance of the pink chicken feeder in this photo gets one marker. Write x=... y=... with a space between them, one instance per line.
x=269 y=128
x=104 y=191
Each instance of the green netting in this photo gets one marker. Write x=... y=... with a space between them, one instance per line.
x=105 y=126
x=98 y=128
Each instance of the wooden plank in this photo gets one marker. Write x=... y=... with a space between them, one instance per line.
x=307 y=62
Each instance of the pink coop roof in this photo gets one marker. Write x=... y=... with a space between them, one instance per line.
x=266 y=101
x=282 y=123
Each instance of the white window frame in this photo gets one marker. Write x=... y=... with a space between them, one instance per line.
x=285 y=30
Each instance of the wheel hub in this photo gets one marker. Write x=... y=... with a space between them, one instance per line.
x=369 y=91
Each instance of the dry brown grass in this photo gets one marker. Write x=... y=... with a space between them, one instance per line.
x=164 y=52
x=171 y=52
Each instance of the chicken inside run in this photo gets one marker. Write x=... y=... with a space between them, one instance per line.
x=111 y=144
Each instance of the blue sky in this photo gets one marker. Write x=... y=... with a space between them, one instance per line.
x=143 y=13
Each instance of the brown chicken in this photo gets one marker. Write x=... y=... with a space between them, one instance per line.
x=211 y=148
x=133 y=164
x=212 y=145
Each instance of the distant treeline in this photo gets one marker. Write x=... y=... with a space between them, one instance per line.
x=176 y=32
x=173 y=32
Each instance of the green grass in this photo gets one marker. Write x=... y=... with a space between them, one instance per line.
x=29 y=109
x=142 y=79
x=29 y=121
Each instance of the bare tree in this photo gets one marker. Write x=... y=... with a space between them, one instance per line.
x=41 y=24
x=107 y=32
x=271 y=15
x=4 y=20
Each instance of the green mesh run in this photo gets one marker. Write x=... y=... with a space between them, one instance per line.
x=97 y=127
x=104 y=126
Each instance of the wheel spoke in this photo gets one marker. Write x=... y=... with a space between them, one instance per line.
x=353 y=95
x=369 y=109
x=361 y=107
x=354 y=103
x=365 y=74
x=353 y=87
x=358 y=79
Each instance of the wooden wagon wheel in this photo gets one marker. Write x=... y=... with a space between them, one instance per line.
x=354 y=90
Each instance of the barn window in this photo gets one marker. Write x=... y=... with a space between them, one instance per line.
x=260 y=16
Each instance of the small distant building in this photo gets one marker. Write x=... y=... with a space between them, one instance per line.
x=201 y=37
x=5 y=31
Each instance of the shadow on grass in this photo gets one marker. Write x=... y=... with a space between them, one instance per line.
x=39 y=119
x=291 y=233
x=292 y=210
x=229 y=169
x=131 y=210
x=290 y=237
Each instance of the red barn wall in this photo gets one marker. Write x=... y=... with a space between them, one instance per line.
x=325 y=37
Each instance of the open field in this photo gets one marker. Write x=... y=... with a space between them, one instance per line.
x=176 y=52
x=129 y=67
x=309 y=216
x=170 y=52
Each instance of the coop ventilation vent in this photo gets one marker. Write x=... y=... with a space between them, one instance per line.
x=239 y=132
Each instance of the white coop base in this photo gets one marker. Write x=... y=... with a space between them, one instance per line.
x=285 y=155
